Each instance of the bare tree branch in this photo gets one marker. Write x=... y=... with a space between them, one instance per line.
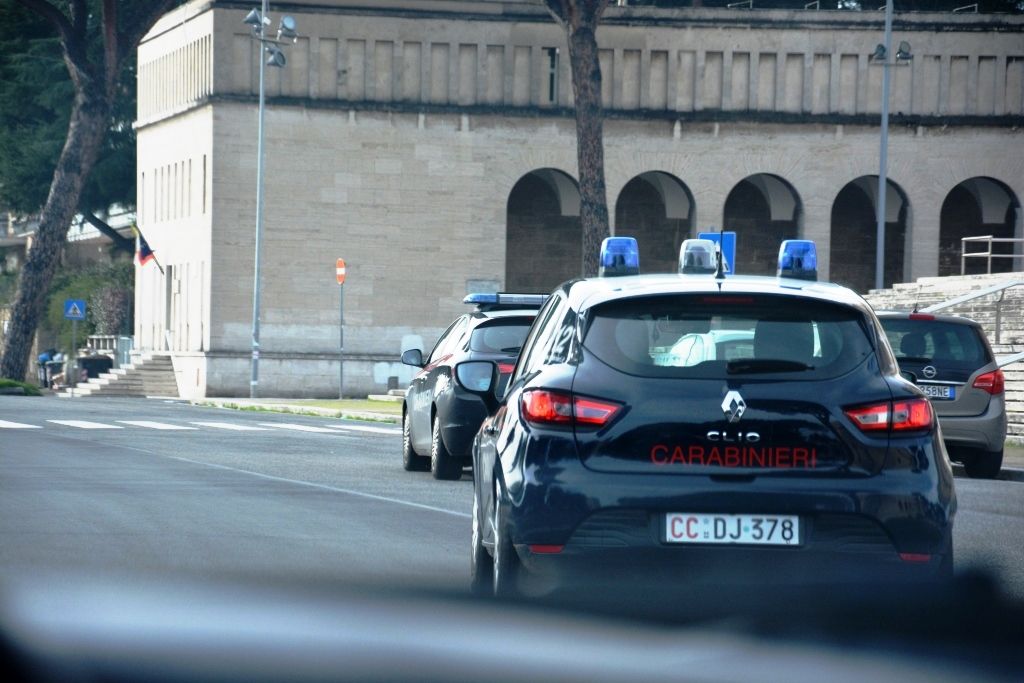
x=119 y=240
x=53 y=15
x=132 y=35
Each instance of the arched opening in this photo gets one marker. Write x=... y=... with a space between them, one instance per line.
x=543 y=238
x=854 y=234
x=763 y=210
x=657 y=209
x=974 y=208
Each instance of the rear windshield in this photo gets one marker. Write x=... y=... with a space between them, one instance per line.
x=500 y=336
x=722 y=336
x=932 y=341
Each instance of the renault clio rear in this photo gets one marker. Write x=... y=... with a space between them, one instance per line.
x=805 y=457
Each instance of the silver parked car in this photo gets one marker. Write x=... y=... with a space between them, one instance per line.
x=951 y=361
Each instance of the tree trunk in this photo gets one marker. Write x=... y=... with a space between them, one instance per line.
x=586 y=85
x=87 y=129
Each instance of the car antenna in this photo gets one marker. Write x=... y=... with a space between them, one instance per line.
x=719 y=260
x=917 y=304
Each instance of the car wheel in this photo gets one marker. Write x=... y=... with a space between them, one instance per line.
x=411 y=462
x=442 y=464
x=481 y=567
x=505 y=567
x=984 y=464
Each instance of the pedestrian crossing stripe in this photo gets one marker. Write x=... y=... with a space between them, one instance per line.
x=4 y=424
x=231 y=426
x=163 y=426
x=297 y=427
x=84 y=424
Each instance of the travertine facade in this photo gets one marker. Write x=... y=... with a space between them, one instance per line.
x=396 y=138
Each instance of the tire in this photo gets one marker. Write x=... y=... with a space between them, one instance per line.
x=411 y=462
x=983 y=464
x=481 y=566
x=505 y=566
x=442 y=465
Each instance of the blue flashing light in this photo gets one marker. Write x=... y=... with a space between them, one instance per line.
x=798 y=259
x=619 y=256
x=698 y=257
x=492 y=300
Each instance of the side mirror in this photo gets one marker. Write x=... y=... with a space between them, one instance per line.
x=413 y=357
x=909 y=376
x=477 y=377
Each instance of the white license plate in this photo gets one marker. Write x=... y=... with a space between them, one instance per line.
x=686 y=527
x=939 y=391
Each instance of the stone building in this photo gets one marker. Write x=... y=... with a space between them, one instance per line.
x=431 y=144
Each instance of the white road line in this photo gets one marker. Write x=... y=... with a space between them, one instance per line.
x=83 y=424
x=371 y=430
x=297 y=427
x=323 y=487
x=163 y=426
x=231 y=426
x=4 y=424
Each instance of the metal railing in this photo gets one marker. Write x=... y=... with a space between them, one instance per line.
x=989 y=240
x=999 y=289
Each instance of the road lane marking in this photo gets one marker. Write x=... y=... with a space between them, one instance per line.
x=84 y=424
x=163 y=426
x=369 y=430
x=231 y=426
x=4 y=424
x=297 y=427
x=322 y=487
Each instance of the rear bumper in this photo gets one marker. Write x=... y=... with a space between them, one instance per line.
x=986 y=431
x=851 y=528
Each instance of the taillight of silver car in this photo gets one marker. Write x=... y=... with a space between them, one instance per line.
x=992 y=382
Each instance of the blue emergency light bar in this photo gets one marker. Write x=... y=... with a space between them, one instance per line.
x=697 y=257
x=619 y=256
x=798 y=259
x=492 y=300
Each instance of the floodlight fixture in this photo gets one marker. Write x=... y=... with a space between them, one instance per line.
x=253 y=18
x=903 y=53
x=287 y=29
x=879 y=53
x=275 y=57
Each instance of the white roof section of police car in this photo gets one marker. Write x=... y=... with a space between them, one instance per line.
x=585 y=294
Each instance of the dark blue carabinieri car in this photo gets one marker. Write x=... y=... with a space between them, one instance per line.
x=706 y=427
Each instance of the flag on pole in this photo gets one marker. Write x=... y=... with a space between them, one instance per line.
x=143 y=252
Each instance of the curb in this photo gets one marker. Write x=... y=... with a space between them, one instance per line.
x=243 y=404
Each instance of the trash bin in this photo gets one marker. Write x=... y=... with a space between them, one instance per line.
x=94 y=365
x=53 y=367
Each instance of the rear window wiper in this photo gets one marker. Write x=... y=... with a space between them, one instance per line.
x=511 y=349
x=766 y=365
x=914 y=359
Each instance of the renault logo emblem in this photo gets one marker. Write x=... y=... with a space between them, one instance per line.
x=928 y=371
x=733 y=406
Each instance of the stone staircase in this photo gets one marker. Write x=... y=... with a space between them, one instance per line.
x=932 y=290
x=148 y=375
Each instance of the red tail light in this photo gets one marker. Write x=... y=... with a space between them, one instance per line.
x=901 y=416
x=506 y=368
x=562 y=408
x=993 y=382
x=921 y=316
x=546 y=549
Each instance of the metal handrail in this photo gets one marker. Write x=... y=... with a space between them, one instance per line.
x=977 y=294
x=988 y=255
x=1003 y=361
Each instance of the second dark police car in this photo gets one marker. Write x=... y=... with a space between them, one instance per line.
x=439 y=418
x=794 y=451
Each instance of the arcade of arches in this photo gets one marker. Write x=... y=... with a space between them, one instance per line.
x=659 y=210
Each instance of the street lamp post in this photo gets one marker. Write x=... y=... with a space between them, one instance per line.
x=881 y=54
x=259 y=20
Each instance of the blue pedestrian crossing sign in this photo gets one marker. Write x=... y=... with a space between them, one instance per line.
x=74 y=309
x=728 y=240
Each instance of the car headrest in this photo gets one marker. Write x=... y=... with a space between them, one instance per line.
x=913 y=344
x=784 y=340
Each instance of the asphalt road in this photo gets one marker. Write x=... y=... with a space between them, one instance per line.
x=137 y=487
